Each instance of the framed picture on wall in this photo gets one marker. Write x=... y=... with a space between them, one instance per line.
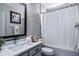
x=15 y=17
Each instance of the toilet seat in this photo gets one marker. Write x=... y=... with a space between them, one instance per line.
x=47 y=51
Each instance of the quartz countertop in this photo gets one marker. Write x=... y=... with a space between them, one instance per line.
x=14 y=50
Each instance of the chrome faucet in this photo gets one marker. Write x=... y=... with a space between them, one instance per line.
x=15 y=38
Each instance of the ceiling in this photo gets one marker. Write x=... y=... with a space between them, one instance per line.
x=45 y=6
x=50 y=5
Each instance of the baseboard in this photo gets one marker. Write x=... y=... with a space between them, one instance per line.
x=58 y=47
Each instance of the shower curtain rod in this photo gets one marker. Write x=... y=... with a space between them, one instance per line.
x=61 y=7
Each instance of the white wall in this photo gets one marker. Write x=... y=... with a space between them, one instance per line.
x=33 y=19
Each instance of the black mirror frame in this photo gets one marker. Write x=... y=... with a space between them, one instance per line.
x=25 y=23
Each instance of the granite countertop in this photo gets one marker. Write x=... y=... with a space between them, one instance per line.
x=14 y=50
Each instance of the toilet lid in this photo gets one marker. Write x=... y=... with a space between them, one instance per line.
x=45 y=49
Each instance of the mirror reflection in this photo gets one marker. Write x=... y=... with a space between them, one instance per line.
x=11 y=19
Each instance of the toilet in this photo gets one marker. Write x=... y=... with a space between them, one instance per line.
x=47 y=51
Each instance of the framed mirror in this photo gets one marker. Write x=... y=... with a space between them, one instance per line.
x=12 y=19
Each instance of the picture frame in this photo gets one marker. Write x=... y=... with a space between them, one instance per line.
x=15 y=17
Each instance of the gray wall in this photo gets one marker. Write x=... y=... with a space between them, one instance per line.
x=33 y=19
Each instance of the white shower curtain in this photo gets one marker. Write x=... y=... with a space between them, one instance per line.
x=77 y=42
x=58 y=28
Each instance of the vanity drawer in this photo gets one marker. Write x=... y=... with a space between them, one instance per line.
x=38 y=53
x=24 y=54
x=35 y=50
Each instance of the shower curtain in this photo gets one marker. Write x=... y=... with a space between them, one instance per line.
x=58 y=28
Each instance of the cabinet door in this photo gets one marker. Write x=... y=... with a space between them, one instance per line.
x=35 y=50
x=24 y=54
x=38 y=53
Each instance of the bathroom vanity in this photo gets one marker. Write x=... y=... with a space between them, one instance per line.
x=22 y=49
x=34 y=51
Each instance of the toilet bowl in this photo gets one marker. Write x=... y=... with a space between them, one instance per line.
x=47 y=51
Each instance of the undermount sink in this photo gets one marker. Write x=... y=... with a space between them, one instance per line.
x=19 y=46
x=29 y=43
x=16 y=47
